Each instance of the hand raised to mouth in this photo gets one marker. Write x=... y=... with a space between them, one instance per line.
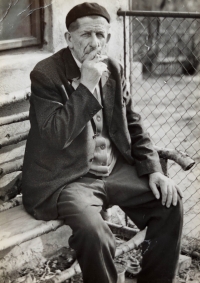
x=92 y=69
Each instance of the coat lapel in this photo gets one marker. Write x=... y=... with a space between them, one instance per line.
x=71 y=68
x=108 y=95
x=72 y=71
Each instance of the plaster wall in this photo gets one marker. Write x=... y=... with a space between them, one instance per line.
x=60 y=9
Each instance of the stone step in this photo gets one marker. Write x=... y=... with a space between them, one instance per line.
x=26 y=242
x=17 y=226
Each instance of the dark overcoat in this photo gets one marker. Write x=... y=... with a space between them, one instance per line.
x=60 y=146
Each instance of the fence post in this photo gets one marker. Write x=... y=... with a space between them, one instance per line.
x=125 y=51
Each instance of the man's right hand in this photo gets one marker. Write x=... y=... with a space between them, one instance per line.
x=92 y=70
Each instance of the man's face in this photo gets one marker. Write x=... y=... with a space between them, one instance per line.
x=92 y=34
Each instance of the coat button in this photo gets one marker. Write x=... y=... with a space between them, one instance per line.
x=98 y=118
x=137 y=117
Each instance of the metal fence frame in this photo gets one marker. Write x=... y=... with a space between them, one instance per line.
x=190 y=15
x=156 y=14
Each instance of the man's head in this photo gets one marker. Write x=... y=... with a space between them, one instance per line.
x=88 y=29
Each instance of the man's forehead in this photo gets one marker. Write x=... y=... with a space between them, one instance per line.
x=92 y=22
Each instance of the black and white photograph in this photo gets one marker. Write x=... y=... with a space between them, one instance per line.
x=99 y=141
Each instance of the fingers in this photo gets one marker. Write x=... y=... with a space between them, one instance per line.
x=169 y=196
x=169 y=190
x=180 y=192
x=92 y=55
x=175 y=196
x=102 y=67
x=164 y=191
x=154 y=190
x=96 y=56
x=100 y=58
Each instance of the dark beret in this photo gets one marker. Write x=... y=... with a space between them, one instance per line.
x=84 y=10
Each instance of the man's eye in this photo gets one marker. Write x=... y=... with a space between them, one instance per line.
x=86 y=34
x=99 y=34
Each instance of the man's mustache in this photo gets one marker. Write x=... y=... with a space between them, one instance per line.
x=99 y=51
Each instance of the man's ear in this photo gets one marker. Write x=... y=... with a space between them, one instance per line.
x=108 y=37
x=68 y=39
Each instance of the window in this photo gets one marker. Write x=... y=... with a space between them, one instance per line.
x=20 y=23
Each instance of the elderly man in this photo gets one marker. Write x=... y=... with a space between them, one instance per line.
x=87 y=149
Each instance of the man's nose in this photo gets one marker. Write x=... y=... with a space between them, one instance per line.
x=94 y=41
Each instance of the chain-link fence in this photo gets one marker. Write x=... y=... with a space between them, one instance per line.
x=162 y=51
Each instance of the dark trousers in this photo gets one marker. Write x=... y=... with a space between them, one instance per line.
x=80 y=204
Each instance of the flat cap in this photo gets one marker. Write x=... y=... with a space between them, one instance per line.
x=84 y=10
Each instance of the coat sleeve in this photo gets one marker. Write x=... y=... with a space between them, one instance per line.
x=145 y=156
x=59 y=124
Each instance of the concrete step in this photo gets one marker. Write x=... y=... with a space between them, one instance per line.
x=26 y=242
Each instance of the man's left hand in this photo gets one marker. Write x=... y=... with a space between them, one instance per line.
x=168 y=188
